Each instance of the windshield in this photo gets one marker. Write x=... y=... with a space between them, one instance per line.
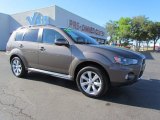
x=79 y=37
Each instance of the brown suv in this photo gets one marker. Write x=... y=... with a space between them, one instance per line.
x=72 y=55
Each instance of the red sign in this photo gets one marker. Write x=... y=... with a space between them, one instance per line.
x=85 y=28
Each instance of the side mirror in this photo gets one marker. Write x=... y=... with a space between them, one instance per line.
x=61 y=42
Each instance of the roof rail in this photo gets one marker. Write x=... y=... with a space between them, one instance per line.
x=30 y=26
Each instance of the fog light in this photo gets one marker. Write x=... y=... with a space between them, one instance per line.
x=130 y=76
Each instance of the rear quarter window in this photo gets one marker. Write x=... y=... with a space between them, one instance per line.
x=19 y=35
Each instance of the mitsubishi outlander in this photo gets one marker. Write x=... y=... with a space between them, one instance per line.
x=73 y=55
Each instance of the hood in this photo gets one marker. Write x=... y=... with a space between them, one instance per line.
x=120 y=51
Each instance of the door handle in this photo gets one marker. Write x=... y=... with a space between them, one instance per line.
x=21 y=46
x=42 y=49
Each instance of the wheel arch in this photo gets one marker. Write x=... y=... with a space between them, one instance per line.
x=90 y=63
x=21 y=58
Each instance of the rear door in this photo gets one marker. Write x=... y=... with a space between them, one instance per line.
x=29 y=46
x=53 y=57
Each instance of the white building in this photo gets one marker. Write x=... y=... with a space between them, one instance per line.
x=53 y=15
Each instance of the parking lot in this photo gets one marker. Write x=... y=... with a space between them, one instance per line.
x=42 y=97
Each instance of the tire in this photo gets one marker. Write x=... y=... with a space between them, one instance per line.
x=92 y=82
x=18 y=68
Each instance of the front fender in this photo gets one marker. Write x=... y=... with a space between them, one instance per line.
x=90 y=57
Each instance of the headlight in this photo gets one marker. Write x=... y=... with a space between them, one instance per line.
x=125 y=61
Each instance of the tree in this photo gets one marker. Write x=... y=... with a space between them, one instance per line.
x=112 y=29
x=154 y=33
x=138 y=29
x=148 y=28
x=124 y=29
x=124 y=25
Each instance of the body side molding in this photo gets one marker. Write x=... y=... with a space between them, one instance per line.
x=67 y=77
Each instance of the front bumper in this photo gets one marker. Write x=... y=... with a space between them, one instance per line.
x=118 y=74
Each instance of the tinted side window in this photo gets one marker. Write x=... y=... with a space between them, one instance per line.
x=31 y=35
x=19 y=35
x=50 y=35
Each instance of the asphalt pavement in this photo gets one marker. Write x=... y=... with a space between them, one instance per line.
x=42 y=97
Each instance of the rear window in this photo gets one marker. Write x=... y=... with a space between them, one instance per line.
x=31 y=35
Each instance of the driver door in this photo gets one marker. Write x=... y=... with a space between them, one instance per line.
x=52 y=57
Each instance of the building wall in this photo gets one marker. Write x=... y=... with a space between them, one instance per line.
x=19 y=19
x=4 y=30
x=63 y=18
x=58 y=17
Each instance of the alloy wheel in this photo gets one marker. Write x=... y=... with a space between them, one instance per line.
x=16 y=67
x=90 y=82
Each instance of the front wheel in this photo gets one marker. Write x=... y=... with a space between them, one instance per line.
x=92 y=82
x=17 y=67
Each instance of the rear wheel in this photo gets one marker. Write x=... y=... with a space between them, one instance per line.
x=17 y=67
x=92 y=82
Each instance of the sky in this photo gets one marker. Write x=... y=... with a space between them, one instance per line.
x=97 y=11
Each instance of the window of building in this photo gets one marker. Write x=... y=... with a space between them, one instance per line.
x=50 y=35
x=31 y=35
